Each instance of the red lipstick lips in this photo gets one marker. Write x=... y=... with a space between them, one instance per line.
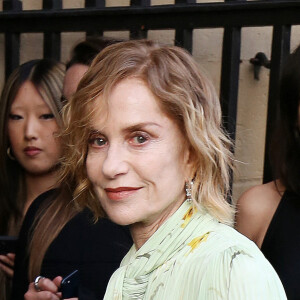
x=32 y=151
x=120 y=193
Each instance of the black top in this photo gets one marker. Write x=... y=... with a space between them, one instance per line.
x=281 y=245
x=96 y=250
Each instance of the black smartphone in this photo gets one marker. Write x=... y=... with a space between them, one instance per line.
x=8 y=244
x=69 y=285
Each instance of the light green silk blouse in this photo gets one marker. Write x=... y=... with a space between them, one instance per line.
x=193 y=256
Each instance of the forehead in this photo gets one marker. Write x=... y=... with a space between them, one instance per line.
x=28 y=95
x=133 y=93
x=129 y=101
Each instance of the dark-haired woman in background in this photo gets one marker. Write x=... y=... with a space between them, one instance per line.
x=30 y=106
x=269 y=214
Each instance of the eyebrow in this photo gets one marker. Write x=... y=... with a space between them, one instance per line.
x=139 y=126
x=135 y=127
x=39 y=106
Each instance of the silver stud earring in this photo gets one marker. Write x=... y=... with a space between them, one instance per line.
x=188 y=191
x=8 y=151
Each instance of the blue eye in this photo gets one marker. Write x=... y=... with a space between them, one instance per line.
x=139 y=139
x=98 y=142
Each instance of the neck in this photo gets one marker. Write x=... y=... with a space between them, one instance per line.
x=38 y=184
x=142 y=231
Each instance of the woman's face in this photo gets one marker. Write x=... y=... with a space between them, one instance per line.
x=137 y=159
x=31 y=130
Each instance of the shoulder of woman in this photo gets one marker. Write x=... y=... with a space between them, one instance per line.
x=255 y=209
x=252 y=276
x=236 y=272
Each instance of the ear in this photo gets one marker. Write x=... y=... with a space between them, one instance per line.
x=189 y=161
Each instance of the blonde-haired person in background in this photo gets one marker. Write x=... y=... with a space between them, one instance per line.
x=57 y=237
x=30 y=117
x=146 y=125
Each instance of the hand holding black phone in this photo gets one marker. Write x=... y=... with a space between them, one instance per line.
x=69 y=285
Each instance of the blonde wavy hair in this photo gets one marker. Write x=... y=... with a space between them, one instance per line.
x=183 y=93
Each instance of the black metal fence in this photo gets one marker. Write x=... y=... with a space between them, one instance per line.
x=184 y=16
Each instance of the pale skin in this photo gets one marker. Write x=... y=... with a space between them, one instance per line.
x=49 y=288
x=31 y=131
x=138 y=161
x=256 y=208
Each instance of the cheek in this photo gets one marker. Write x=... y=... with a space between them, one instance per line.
x=50 y=129
x=89 y=167
x=164 y=169
x=52 y=139
x=93 y=167
x=53 y=129
x=57 y=147
x=175 y=167
x=14 y=136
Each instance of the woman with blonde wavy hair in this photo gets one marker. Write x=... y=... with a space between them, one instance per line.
x=144 y=139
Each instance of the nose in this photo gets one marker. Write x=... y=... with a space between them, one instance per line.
x=31 y=129
x=115 y=162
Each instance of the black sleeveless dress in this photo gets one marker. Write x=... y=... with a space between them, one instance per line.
x=281 y=245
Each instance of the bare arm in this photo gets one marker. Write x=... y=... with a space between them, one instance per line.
x=255 y=210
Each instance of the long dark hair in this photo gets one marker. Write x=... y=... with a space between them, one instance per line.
x=47 y=77
x=285 y=150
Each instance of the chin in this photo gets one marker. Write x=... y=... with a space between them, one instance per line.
x=120 y=219
x=41 y=171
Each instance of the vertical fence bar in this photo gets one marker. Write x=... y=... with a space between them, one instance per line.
x=280 y=50
x=12 y=40
x=139 y=33
x=230 y=77
x=184 y=37
x=95 y=4
x=229 y=85
x=52 y=40
x=230 y=82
